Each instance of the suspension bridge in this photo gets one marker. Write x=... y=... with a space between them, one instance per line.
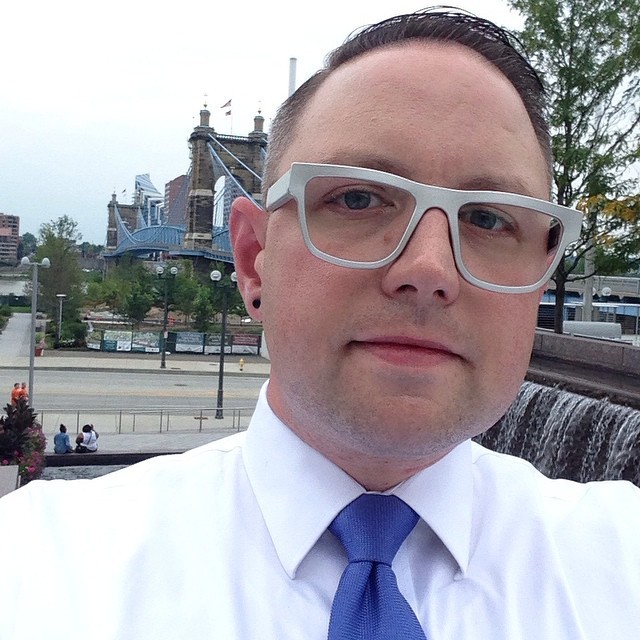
x=191 y=220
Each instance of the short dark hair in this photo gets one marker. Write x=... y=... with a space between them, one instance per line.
x=439 y=24
x=63 y=428
x=87 y=428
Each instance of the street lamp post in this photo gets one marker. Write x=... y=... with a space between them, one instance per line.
x=216 y=277
x=45 y=264
x=160 y=272
x=61 y=297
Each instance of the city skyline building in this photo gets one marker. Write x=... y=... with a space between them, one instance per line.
x=9 y=238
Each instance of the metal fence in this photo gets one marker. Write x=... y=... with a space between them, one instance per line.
x=147 y=420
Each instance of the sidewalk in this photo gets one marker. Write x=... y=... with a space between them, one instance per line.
x=14 y=354
x=170 y=442
x=53 y=360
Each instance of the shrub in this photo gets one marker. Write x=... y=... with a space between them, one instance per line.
x=22 y=441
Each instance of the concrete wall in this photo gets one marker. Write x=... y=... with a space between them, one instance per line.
x=607 y=354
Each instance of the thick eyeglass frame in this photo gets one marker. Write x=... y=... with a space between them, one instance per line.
x=291 y=186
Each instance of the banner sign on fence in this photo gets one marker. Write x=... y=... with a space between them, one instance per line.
x=189 y=341
x=117 y=340
x=212 y=343
x=145 y=342
x=246 y=343
x=94 y=340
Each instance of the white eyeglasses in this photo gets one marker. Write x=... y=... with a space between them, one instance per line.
x=363 y=219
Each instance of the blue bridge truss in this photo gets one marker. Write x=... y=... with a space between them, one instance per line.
x=156 y=234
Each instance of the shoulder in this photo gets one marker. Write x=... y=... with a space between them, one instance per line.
x=178 y=480
x=596 y=508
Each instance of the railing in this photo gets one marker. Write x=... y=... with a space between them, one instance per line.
x=148 y=420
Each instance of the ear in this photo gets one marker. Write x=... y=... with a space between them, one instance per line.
x=248 y=229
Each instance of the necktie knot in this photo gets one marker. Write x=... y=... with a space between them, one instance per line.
x=368 y=604
x=372 y=527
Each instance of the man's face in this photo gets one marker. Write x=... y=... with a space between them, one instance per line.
x=397 y=365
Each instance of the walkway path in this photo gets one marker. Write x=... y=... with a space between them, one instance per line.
x=14 y=340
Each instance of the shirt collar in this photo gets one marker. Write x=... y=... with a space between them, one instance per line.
x=300 y=492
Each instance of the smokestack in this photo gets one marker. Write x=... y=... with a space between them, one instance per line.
x=292 y=74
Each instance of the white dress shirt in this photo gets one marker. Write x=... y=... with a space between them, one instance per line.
x=230 y=542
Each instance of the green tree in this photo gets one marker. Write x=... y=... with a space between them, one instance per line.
x=235 y=304
x=588 y=55
x=88 y=250
x=62 y=227
x=27 y=245
x=57 y=241
x=136 y=302
x=128 y=290
x=186 y=291
x=615 y=232
x=202 y=310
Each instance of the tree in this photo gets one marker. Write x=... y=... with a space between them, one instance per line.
x=136 y=303
x=57 y=241
x=185 y=293
x=588 y=54
x=614 y=227
x=128 y=290
x=62 y=227
x=88 y=250
x=202 y=311
x=27 y=245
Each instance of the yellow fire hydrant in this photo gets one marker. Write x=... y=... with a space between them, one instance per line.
x=241 y=363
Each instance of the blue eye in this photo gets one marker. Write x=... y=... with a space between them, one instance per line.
x=485 y=219
x=358 y=200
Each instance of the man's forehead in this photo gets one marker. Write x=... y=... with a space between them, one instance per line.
x=387 y=96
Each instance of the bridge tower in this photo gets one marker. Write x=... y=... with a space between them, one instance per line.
x=205 y=173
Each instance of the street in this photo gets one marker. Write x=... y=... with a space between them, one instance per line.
x=81 y=390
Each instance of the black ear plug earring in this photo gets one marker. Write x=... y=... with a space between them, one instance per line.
x=256 y=303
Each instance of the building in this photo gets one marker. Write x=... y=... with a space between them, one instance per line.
x=9 y=238
x=175 y=200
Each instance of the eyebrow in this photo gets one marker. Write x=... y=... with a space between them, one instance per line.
x=508 y=184
x=480 y=182
x=368 y=162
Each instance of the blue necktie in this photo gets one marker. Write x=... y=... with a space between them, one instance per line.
x=368 y=604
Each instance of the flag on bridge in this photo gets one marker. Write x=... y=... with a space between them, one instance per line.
x=226 y=104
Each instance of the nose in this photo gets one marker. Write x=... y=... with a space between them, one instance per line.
x=426 y=268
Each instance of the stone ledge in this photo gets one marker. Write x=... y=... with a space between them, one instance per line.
x=611 y=355
x=101 y=458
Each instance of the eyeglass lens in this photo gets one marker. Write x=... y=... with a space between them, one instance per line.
x=364 y=221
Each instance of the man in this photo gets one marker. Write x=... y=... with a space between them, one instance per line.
x=61 y=443
x=414 y=305
x=16 y=393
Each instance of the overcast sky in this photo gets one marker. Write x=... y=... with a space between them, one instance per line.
x=92 y=94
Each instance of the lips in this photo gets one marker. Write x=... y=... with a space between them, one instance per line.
x=407 y=351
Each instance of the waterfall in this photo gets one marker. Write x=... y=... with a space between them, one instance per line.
x=566 y=435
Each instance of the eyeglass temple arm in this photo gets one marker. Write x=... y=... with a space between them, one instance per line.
x=278 y=193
